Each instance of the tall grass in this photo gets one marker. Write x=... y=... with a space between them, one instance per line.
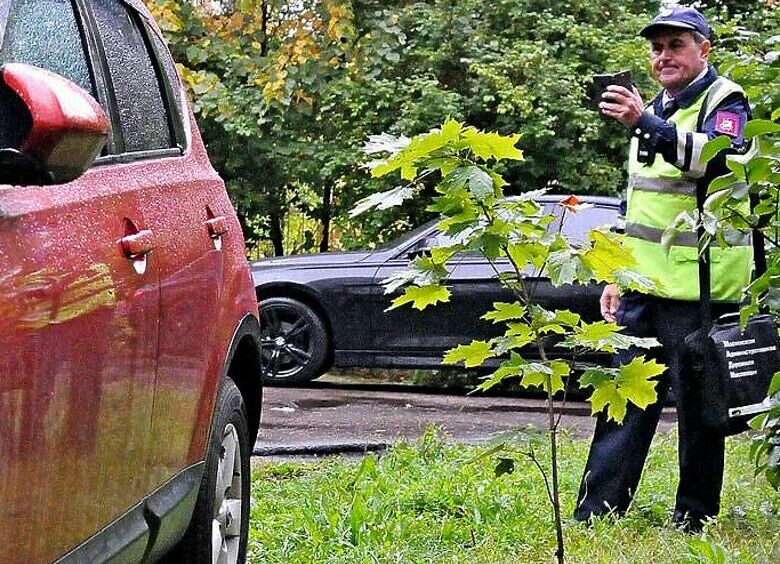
x=431 y=501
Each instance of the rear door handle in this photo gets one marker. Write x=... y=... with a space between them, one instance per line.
x=138 y=244
x=217 y=226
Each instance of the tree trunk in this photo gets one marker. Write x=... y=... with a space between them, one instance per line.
x=277 y=237
x=326 y=198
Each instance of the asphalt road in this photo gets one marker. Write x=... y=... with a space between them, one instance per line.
x=331 y=420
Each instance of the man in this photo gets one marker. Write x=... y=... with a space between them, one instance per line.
x=665 y=167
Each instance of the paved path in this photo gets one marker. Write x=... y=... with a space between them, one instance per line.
x=298 y=420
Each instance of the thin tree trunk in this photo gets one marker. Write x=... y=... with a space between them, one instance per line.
x=264 y=9
x=326 y=213
x=277 y=237
x=553 y=429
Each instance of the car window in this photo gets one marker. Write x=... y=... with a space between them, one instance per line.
x=142 y=114
x=43 y=33
x=172 y=79
x=576 y=226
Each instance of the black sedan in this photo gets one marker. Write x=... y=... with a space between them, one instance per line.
x=328 y=309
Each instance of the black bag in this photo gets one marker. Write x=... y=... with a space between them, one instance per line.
x=731 y=369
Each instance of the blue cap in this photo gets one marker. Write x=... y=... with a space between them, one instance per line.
x=679 y=17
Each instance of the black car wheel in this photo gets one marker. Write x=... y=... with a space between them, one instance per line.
x=294 y=341
x=219 y=529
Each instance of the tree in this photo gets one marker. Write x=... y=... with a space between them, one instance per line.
x=474 y=210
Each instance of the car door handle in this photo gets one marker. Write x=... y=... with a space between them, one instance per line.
x=217 y=226
x=138 y=244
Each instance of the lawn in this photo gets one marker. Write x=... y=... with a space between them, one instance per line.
x=436 y=501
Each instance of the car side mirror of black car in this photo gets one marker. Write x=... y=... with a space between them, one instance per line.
x=421 y=248
x=59 y=128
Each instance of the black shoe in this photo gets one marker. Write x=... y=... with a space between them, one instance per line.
x=689 y=523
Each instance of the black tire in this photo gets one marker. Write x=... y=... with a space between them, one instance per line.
x=229 y=434
x=294 y=341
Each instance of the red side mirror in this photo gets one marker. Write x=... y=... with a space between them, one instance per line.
x=69 y=128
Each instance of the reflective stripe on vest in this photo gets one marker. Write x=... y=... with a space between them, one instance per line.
x=662 y=185
x=686 y=238
x=660 y=191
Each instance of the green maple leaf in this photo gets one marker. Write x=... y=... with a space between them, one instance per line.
x=520 y=334
x=630 y=280
x=503 y=311
x=562 y=266
x=479 y=182
x=546 y=321
x=507 y=369
x=473 y=354
x=525 y=253
x=596 y=376
x=607 y=395
x=633 y=383
x=535 y=375
x=607 y=255
x=492 y=145
x=606 y=337
x=713 y=147
x=440 y=255
x=504 y=466
x=451 y=130
x=383 y=200
x=422 y=271
x=422 y=296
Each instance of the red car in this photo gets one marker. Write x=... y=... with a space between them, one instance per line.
x=129 y=339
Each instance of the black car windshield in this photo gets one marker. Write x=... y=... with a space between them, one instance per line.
x=406 y=238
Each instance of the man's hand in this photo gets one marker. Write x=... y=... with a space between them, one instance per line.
x=621 y=104
x=610 y=299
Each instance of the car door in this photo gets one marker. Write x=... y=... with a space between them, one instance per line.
x=188 y=210
x=474 y=288
x=78 y=327
x=416 y=333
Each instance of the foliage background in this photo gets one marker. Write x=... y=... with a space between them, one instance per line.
x=286 y=92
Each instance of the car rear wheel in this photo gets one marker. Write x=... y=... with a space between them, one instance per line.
x=294 y=341
x=219 y=529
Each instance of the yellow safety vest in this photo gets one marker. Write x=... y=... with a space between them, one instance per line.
x=658 y=193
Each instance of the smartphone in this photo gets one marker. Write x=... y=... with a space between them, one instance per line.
x=601 y=81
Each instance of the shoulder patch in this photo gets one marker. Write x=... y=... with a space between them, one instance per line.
x=728 y=123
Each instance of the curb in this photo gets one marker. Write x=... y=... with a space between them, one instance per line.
x=321 y=450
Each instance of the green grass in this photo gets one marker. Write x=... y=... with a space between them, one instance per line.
x=429 y=501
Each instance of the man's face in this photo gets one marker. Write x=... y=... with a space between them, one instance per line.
x=676 y=58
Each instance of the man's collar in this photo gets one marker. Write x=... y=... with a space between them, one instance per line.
x=688 y=95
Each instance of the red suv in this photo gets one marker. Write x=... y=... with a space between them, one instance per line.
x=129 y=343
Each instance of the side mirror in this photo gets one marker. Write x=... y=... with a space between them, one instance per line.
x=421 y=248
x=68 y=128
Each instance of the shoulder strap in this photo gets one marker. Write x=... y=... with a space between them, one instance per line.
x=718 y=92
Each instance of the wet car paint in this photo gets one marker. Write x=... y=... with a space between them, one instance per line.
x=109 y=364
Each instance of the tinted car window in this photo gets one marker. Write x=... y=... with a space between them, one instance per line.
x=577 y=226
x=170 y=76
x=43 y=33
x=142 y=114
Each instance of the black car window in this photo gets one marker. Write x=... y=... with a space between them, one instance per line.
x=576 y=226
x=171 y=77
x=142 y=115
x=43 y=33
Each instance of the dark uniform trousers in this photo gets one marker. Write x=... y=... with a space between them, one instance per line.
x=618 y=451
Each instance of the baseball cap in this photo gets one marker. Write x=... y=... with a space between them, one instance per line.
x=680 y=17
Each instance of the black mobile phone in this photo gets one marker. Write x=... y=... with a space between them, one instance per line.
x=601 y=81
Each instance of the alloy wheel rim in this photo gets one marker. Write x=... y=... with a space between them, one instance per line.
x=286 y=341
x=228 y=510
